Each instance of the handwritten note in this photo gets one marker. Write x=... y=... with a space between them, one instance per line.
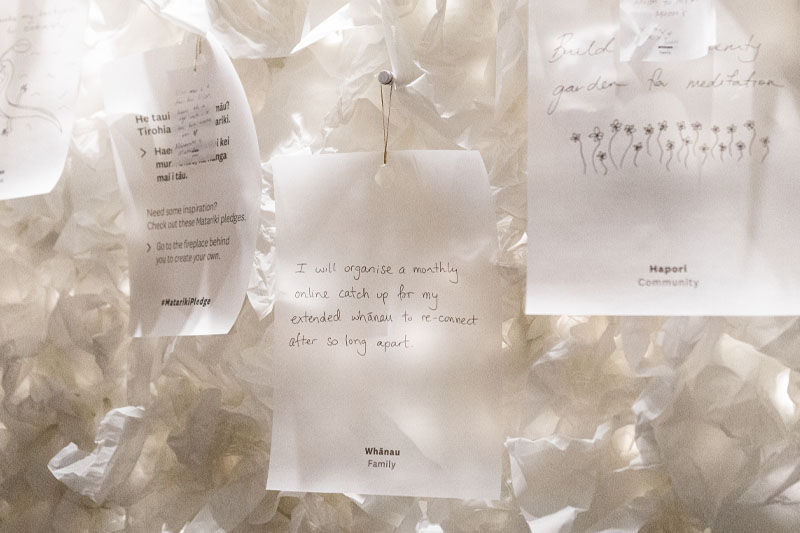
x=195 y=124
x=664 y=188
x=189 y=171
x=387 y=327
x=41 y=46
x=666 y=30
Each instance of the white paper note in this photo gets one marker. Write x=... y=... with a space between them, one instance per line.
x=664 y=188
x=387 y=329
x=41 y=46
x=666 y=30
x=188 y=166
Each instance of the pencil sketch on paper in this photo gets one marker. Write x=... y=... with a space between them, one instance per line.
x=11 y=92
x=702 y=148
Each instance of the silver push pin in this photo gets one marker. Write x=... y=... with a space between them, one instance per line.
x=385 y=77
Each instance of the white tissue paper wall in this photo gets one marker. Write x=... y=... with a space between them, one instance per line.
x=612 y=424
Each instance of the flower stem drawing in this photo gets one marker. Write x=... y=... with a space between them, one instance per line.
x=751 y=125
x=597 y=137
x=12 y=108
x=715 y=129
x=636 y=149
x=687 y=141
x=601 y=156
x=681 y=127
x=700 y=147
x=765 y=142
x=662 y=127
x=630 y=129
x=705 y=150
x=731 y=129
x=670 y=148
x=696 y=127
x=648 y=131
x=615 y=127
x=576 y=138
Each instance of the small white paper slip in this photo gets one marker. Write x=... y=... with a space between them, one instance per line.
x=664 y=188
x=666 y=30
x=387 y=327
x=188 y=167
x=41 y=47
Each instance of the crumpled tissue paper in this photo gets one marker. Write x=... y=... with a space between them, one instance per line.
x=613 y=424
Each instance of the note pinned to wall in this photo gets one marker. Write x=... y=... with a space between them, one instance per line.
x=190 y=175
x=664 y=188
x=387 y=327
x=41 y=47
x=666 y=30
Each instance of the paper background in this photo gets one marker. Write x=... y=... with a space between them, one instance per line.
x=724 y=217
x=333 y=402
x=41 y=47
x=613 y=424
x=223 y=180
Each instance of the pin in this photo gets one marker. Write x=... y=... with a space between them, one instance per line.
x=385 y=77
x=385 y=175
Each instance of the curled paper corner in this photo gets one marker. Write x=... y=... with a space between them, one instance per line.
x=119 y=443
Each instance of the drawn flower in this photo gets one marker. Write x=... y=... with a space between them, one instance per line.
x=662 y=127
x=576 y=138
x=705 y=149
x=696 y=127
x=670 y=149
x=765 y=143
x=686 y=142
x=648 y=131
x=615 y=127
x=740 y=146
x=731 y=129
x=722 y=149
x=751 y=126
x=601 y=156
x=630 y=129
x=636 y=149
x=597 y=137
x=715 y=129
x=681 y=127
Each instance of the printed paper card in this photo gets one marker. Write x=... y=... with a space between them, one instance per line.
x=664 y=188
x=190 y=175
x=41 y=47
x=387 y=327
x=666 y=30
